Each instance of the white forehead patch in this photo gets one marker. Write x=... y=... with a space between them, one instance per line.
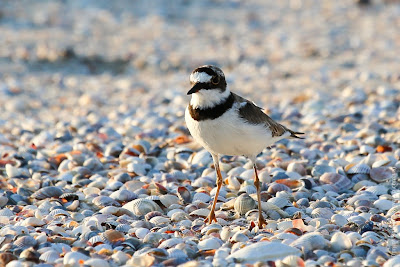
x=200 y=77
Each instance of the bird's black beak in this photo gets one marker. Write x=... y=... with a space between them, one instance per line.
x=195 y=88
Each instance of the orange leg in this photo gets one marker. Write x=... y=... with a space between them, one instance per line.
x=211 y=217
x=261 y=220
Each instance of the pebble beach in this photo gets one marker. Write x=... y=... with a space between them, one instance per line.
x=97 y=166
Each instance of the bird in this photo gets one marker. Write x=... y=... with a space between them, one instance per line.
x=225 y=123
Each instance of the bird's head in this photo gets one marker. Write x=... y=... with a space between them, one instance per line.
x=208 y=86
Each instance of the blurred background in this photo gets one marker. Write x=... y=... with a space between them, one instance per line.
x=116 y=52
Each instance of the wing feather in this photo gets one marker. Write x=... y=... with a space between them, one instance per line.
x=254 y=115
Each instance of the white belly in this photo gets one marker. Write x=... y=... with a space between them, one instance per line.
x=230 y=135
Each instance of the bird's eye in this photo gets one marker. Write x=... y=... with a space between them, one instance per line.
x=215 y=80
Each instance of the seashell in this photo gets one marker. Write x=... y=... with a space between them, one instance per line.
x=30 y=255
x=94 y=262
x=69 y=197
x=74 y=258
x=170 y=243
x=200 y=213
x=73 y=205
x=168 y=200
x=263 y=252
x=319 y=170
x=341 y=182
x=364 y=196
x=104 y=201
x=95 y=240
x=179 y=216
x=123 y=195
x=383 y=204
x=236 y=171
x=244 y=203
x=33 y=221
x=141 y=206
x=123 y=228
x=310 y=242
x=159 y=220
x=212 y=228
x=175 y=253
x=50 y=256
x=112 y=237
x=358 y=177
x=320 y=204
x=59 y=212
x=322 y=213
x=377 y=189
x=184 y=194
x=6 y=257
x=142 y=232
x=201 y=158
x=377 y=218
x=270 y=209
x=340 y=241
x=248 y=189
x=357 y=168
x=392 y=262
x=239 y=237
x=152 y=214
x=393 y=210
x=363 y=183
x=381 y=174
x=232 y=183
x=47 y=192
x=276 y=187
x=210 y=243
x=25 y=242
x=153 y=238
x=279 y=202
x=291 y=260
x=6 y=212
x=381 y=163
x=202 y=197
x=339 y=220
x=297 y=167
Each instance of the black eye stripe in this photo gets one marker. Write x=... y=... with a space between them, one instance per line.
x=206 y=70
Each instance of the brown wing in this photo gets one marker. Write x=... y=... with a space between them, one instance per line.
x=254 y=115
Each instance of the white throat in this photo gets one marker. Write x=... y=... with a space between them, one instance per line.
x=208 y=98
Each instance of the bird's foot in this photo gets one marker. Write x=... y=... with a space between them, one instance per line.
x=210 y=218
x=261 y=222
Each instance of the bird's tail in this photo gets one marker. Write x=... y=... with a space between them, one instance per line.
x=294 y=134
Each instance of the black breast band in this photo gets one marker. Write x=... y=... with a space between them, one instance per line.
x=199 y=114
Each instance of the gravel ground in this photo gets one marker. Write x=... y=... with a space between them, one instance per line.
x=92 y=97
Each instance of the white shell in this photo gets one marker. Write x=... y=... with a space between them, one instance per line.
x=263 y=251
x=159 y=220
x=393 y=262
x=170 y=243
x=209 y=243
x=168 y=200
x=340 y=241
x=378 y=189
x=50 y=256
x=141 y=206
x=73 y=258
x=202 y=197
x=359 y=168
x=244 y=203
x=141 y=232
x=200 y=212
x=310 y=241
x=322 y=213
x=279 y=201
x=383 y=204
